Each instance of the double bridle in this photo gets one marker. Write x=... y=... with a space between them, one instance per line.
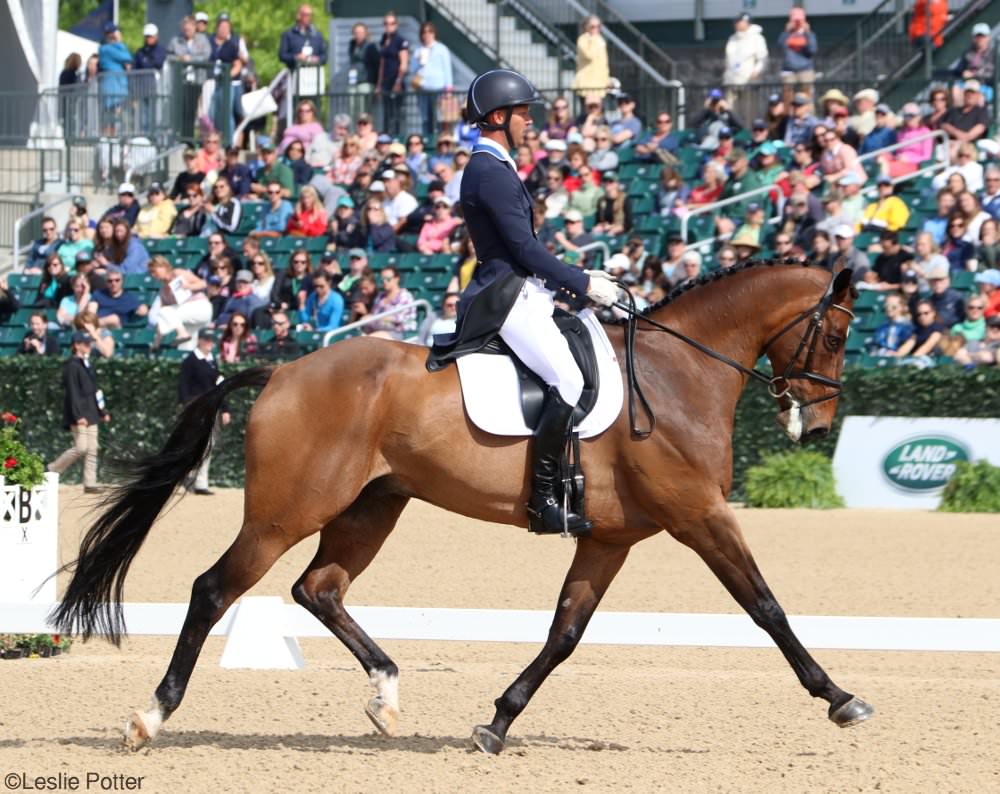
x=777 y=385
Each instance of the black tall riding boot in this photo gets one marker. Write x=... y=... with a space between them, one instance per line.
x=545 y=508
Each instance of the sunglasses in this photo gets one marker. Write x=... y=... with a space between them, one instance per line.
x=74 y=229
x=238 y=324
x=978 y=306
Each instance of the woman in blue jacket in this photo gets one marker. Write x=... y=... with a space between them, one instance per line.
x=114 y=60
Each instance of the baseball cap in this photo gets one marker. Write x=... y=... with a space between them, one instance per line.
x=773 y=99
x=981 y=29
x=911 y=277
x=206 y=333
x=623 y=98
x=911 y=109
x=150 y=30
x=378 y=186
x=674 y=237
x=744 y=17
x=442 y=200
x=850 y=178
x=574 y=137
x=110 y=27
x=244 y=275
x=618 y=262
x=328 y=256
x=884 y=179
x=867 y=93
x=201 y=16
x=155 y=187
x=80 y=201
x=214 y=280
x=800 y=99
x=126 y=187
x=264 y=143
x=81 y=337
x=715 y=93
x=993 y=322
x=937 y=268
x=384 y=138
x=768 y=148
x=753 y=206
x=759 y=124
x=436 y=184
x=883 y=108
x=223 y=16
x=991 y=276
x=725 y=132
x=609 y=176
x=972 y=85
x=844 y=230
x=556 y=145
x=357 y=253
x=389 y=174
x=345 y=201
x=83 y=257
x=397 y=148
x=573 y=216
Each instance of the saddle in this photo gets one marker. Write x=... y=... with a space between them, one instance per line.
x=533 y=390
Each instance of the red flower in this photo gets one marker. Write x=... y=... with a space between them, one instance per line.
x=10 y=463
x=8 y=417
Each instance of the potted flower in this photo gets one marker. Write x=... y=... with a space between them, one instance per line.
x=9 y=648
x=18 y=466
x=65 y=643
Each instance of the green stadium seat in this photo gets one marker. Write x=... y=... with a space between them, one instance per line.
x=410 y=262
x=140 y=281
x=869 y=300
x=24 y=283
x=963 y=280
x=315 y=245
x=309 y=340
x=643 y=205
x=194 y=245
x=649 y=224
x=642 y=187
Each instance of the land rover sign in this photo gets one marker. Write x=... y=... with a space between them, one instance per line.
x=923 y=463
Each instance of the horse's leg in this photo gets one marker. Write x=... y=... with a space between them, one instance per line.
x=594 y=567
x=717 y=539
x=348 y=544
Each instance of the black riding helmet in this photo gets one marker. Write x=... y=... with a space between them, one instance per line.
x=499 y=89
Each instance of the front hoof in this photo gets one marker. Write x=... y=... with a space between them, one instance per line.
x=137 y=734
x=486 y=740
x=383 y=716
x=851 y=713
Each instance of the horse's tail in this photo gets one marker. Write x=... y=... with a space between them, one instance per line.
x=93 y=601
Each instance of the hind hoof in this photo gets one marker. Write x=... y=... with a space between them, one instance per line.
x=851 y=713
x=136 y=735
x=485 y=740
x=383 y=716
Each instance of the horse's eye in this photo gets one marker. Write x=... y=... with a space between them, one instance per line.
x=833 y=342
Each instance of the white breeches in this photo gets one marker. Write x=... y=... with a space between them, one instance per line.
x=189 y=317
x=533 y=336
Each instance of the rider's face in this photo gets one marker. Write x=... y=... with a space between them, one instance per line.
x=520 y=121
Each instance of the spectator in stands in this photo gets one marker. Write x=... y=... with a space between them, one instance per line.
x=846 y=133
x=306 y=129
x=927 y=334
x=847 y=255
x=588 y=195
x=348 y=161
x=947 y=302
x=776 y=117
x=675 y=250
x=74 y=243
x=937 y=225
x=209 y=157
x=224 y=210
x=627 y=128
x=294 y=283
x=102 y=241
x=560 y=121
x=753 y=227
x=392 y=295
x=908 y=158
x=378 y=233
x=302 y=44
x=988 y=247
x=713 y=119
x=237 y=173
x=150 y=56
x=230 y=50
x=798 y=47
x=890 y=263
x=237 y=339
x=362 y=71
x=324 y=308
x=263 y=276
x=573 y=236
x=888 y=211
x=746 y=55
x=822 y=253
x=294 y=159
x=614 y=209
x=242 y=300
x=966 y=165
x=435 y=233
x=741 y=180
x=125 y=250
x=127 y=207
x=883 y=134
x=973 y=326
x=982 y=353
x=784 y=246
x=955 y=247
x=977 y=63
x=939 y=109
x=37 y=341
x=991 y=191
x=726 y=257
x=190 y=45
x=956 y=184
x=661 y=138
x=217 y=249
x=969 y=208
x=55 y=284
x=182 y=305
x=398 y=203
x=281 y=345
x=309 y=217
x=927 y=21
x=9 y=304
x=746 y=248
x=968 y=122
x=797 y=223
x=592 y=72
x=49 y=243
x=78 y=212
x=155 y=220
x=896 y=330
x=556 y=196
x=799 y=127
x=189 y=176
x=864 y=119
x=75 y=302
x=443 y=323
x=430 y=75
x=274 y=220
x=394 y=63
x=839 y=159
x=190 y=221
x=417 y=160
x=989 y=290
x=114 y=60
x=345 y=227
x=357 y=267
x=114 y=306
x=924 y=251
x=529 y=170
x=103 y=340
x=689 y=270
x=70 y=74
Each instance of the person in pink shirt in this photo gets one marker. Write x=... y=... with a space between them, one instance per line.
x=434 y=233
x=305 y=128
x=209 y=157
x=839 y=159
x=906 y=159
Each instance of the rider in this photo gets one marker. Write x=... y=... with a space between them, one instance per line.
x=511 y=291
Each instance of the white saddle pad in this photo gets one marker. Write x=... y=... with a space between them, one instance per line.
x=492 y=394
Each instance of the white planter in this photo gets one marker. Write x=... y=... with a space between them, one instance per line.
x=29 y=542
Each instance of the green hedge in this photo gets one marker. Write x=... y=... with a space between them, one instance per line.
x=799 y=478
x=142 y=397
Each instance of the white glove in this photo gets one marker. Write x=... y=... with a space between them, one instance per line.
x=600 y=274
x=602 y=291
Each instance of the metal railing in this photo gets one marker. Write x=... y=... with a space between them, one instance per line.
x=419 y=303
x=22 y=222
x=280 y=81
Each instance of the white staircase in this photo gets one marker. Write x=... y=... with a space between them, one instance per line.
x=514 y=45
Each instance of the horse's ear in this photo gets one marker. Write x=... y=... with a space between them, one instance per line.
x=842 y=280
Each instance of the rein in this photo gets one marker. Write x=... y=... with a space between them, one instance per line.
x=777 y=386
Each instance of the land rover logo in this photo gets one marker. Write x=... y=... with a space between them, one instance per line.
x=924 y=463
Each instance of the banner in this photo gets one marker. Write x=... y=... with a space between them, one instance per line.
x=29 y=542
x=906 y=462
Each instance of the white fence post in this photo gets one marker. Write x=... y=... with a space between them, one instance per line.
x=29 y=542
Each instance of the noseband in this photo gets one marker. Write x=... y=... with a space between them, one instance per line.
x=778 y=386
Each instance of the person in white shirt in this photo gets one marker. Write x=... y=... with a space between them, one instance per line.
x=967 y=166
x=398 y=204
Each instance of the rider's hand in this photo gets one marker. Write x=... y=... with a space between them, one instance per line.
x=602 y=292
x=600 y=274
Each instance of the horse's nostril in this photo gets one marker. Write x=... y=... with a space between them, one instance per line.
x=815 y=434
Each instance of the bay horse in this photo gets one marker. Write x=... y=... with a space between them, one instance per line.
x=373 y=429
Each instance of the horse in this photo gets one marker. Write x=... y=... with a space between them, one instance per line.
x=398 y=432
